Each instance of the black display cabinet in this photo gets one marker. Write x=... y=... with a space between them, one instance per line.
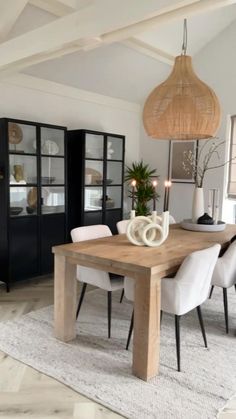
x=95 y=178
x=33 y=199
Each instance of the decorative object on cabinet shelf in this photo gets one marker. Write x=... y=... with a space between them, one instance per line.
x=205 y=219
x=18 y=172
x=110 y=151
x=32 y=197
x=15 y=210
x=151 y=231
x=30 y=210
x=110 y=203
x=96 y=176
x=100 y=181
x=144 y=191
x=15 y=134
x=49 y=147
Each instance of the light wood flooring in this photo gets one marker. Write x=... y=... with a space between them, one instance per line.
x=25 y=392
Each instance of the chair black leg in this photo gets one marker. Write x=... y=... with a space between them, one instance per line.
x=211 y=291
x=122 y=295
x=226 y=309
x=235 y=287
x=130 y=331
x=177 y=337
x=81 y=299
x=199 y=312
x=109 y=305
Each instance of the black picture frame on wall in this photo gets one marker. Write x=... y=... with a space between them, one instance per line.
x=176 y=171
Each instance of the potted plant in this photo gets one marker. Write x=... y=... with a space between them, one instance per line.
x=144 y=190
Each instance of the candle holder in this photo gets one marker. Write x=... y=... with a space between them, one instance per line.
x=213 y=204
x=151 y=231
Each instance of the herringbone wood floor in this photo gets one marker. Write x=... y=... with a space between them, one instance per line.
x=27 y=393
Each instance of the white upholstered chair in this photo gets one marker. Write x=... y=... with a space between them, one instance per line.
x=187 y=290
x=104 y=280
x=224 y=276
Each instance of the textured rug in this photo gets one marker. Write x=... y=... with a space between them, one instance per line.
x=101 y=369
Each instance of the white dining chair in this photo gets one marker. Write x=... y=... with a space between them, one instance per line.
x=187 y=290
x=224 y=276
x=104 y=280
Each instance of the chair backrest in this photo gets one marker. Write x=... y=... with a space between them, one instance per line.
x=224 y=274
x=122 y=226
x=92 y=276
x=97 y=231
x=194 y=277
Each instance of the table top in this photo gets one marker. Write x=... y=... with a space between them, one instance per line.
x=116 y=254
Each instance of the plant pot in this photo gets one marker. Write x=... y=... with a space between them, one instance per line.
x=198 y=204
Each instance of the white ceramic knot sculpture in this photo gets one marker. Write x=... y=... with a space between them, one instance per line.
x=150 y=231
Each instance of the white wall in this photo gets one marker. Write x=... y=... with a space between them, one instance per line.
x=216 y=65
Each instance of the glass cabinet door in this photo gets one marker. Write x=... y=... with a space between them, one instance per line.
x=114 y=148
x=52 y=170
x=114 y=172
x=94 y=146
x=23 y=200
x=93 y=172
x=52 y=141
x=93 y=198
x=113 y=197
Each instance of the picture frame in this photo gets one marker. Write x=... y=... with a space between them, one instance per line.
x=176 y=171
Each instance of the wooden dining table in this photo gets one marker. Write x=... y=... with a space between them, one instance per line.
x=146 y=265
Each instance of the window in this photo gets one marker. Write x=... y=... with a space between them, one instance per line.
x=232 y=165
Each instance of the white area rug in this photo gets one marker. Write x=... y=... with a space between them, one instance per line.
x=101 y=369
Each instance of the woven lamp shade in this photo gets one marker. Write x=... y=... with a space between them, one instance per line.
x=183 y=107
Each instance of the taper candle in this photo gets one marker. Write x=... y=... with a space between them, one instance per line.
x=168 y=195
x=165 y=195
x=133 y=184
x=154 y=184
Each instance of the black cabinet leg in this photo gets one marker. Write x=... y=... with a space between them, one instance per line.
x=177 y=338
x=199 y=312
x=81 y=299
x=225 y=298
x=130 y=331
x=109 y=305
x=7 y=287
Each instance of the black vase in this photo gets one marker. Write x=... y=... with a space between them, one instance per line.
x=205 y=219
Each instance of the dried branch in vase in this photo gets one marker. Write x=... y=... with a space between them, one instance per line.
x=199 y=166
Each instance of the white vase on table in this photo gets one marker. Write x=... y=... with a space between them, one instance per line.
x=198 y=204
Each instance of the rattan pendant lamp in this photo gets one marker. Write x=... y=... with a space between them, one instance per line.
x=182 y=107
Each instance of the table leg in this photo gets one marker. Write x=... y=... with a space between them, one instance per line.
x=146 y=327
x=65 y=298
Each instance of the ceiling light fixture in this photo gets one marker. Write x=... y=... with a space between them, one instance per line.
x=182 y=107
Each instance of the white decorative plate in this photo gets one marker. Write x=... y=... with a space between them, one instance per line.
x=50 y=147
x=189 y=225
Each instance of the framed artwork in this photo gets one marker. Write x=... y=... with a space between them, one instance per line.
x=176 y=170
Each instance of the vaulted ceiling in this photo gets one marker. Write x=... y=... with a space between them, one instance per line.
x=119 y=48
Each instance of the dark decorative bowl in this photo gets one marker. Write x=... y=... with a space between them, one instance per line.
x=205 y=219
x=30 y=210
x=15 y=210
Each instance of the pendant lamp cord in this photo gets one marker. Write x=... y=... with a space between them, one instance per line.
x=185 y=38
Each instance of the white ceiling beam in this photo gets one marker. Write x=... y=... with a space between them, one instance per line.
x=10 y=11
x=103 y=21
x=149 y=50
x=56 y=7
x=192 y=9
